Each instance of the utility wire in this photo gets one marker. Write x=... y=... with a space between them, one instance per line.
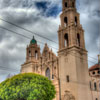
x=7 y=69
x=73 y=54
x=35 y=34
x=28 y=30
x=23 y=36
x=29 y=38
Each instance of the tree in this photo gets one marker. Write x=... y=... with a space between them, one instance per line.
x=28 y=86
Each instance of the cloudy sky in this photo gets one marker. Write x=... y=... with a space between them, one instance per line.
x=41 y=17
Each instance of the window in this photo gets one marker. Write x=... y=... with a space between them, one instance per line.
x=90 y=86
x=65 y=21
x=29 y=53
x=52 y=76
x=93 y=73
x=75 y=20
x=66 y=5
x=72 y=4
x=95 y=86
x=36 y=54
x=47 y=73
x=66 y=40
x=99 y=86
x=96 y=99
x=49 y=55
x=78 y=39
x=67 y=78
x=98 y=72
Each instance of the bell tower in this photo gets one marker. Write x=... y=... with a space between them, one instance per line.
x=32 y=58
x=70 y=31
x=33 y=51
x=73 y=64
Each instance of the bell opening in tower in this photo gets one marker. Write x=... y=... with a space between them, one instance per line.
x=36 y=55
x=75 y=20
x=65 y=21
x=29 y=53
x=66 y=40
x=66 y=5
x=78 y=39
x=73 y=4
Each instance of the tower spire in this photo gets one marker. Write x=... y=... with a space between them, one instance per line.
x=99 y=59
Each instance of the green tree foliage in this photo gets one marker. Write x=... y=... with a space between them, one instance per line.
x=28 y=86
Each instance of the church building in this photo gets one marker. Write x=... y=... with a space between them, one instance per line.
x=94 y=72
x=69 y=70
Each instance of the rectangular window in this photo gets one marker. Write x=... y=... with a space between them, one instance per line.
x=99 y=86
x=67 y=78
x=52 y=76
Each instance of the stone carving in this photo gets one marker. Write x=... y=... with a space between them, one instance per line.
x=68 y=96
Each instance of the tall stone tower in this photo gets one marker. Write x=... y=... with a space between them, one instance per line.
x=73 y=65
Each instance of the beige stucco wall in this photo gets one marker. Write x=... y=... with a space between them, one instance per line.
x=71 y=63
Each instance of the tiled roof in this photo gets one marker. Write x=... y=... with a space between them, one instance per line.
x=94 y=67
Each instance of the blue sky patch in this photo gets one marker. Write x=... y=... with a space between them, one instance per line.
x=42 y=5
x=47 y=9
x=53 y=11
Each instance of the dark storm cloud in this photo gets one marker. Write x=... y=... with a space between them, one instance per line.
x=41 y=17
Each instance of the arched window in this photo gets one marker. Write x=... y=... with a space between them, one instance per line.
x=29 y=53
x=66 y=40
x=36 y=54
x=73 y=4
x=47 y=73
x=99 y=72
x=66 y=5
x=78 y=39
x=65 y=21
x=75 y=20
x=95 y=86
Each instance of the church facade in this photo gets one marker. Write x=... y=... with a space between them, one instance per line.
x=94 y=72
x=69 y=70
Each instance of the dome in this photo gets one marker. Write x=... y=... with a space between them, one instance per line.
x=33 y=41
x=96 y=66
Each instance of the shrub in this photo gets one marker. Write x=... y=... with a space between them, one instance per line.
x=28 y=86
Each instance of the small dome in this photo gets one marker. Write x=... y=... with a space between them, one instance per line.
x=96 y=66
x=33 y=41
